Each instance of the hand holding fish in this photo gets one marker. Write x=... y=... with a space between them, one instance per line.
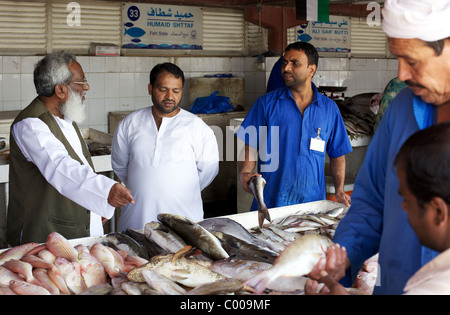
x=335 y=264
x=245 y=178
x=331 y=286
x=119 y=196
x=256 y=185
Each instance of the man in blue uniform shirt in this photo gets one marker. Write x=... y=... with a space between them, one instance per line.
x=376 y=222
x=291 y=130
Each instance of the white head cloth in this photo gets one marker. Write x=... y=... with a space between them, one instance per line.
x=428 y=20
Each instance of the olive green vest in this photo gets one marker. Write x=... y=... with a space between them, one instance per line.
x=35 y=207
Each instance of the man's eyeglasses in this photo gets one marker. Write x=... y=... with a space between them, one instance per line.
x=84 y=83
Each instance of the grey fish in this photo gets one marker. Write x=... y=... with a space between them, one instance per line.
x=336 y=212
x=194 y=234
x=240 y=269
x=101 y=289
x=152 y=248
x=233 y=228
x=161 y=283
x=125 y=242
x=256 y=184
x=244 y=270
x=245 y=249
x=164 y=237
x=224 y=286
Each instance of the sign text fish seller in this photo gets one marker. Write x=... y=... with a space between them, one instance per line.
x=153 y=26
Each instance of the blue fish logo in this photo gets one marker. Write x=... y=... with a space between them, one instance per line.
x=305 y=38
x=129 y=24
x=135 y=32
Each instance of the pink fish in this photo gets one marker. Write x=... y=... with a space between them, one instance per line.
x=36 y=250
x=47 y=256
x=92 y=270
x=110 y=261
x=71 y=273
x=6 y=290
x=25 y=288
x=7 y=275
x=37 y=262
x=17 y=252
x=132 y=262
x=42 y=276
x=22 y=268
x=58 y=280
x=61 y=247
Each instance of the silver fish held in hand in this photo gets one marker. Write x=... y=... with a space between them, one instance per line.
x=298 y=259
x=256 y=185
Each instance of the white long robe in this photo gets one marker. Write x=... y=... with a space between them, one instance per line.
x=165 y=169
x=77 y=182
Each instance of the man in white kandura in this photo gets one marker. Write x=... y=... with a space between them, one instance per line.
x=165 y=155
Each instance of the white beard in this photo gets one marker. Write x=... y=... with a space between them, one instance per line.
x=74 y=108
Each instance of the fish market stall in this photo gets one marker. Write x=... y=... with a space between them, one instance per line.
x=176 y=256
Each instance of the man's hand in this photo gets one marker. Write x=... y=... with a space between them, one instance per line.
x=335 y=264
x=331 y=286
x=245 y=177
x=119 y=196
x=342 y=197
x=329 y=271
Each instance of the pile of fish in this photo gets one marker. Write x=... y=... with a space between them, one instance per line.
x=358 y=116
x=175 y=256
x=56 y=267
x=283 y=231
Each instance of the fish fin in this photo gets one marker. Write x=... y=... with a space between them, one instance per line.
x=263 y=213
x=180 y=274
x=180 y=253
x=259 y=282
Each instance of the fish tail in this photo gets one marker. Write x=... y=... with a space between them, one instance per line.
x=259 y=282
x=263 y=213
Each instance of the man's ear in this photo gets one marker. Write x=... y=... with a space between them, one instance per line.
x=312 y=70
x=150 y=89
x=61 y=91
x=440 y=210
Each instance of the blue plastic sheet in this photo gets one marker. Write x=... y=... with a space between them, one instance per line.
x=211 y=104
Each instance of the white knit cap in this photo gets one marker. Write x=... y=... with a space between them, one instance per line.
x=428 y=20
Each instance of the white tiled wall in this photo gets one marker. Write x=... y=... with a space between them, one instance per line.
x=359 y=75
x=120 y=83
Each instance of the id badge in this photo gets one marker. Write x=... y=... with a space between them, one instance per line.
x=317 y=144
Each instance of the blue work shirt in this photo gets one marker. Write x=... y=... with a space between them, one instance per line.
x=294 y=173
x=376 y=221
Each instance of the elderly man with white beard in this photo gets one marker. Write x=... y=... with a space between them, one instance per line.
x=53 y=186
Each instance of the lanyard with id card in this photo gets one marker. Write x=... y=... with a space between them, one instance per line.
x=317 y=144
